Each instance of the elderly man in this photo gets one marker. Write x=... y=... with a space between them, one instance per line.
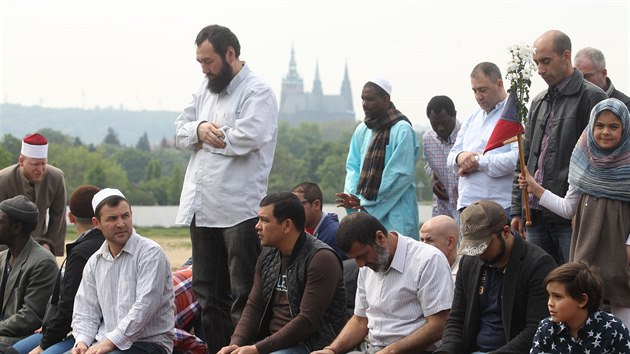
x=42 y=184
x=592 y=64
x=441 y=232
x=380 y=169
x=404 y=290
x=298 y=300
x=27 y=268
x=125 y=301
x=499 y=293
x=557 y=117
x=481 y=175
x=230 y=130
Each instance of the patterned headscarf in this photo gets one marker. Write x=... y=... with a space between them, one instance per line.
x=603 y=173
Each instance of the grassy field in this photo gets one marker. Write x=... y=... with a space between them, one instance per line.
x=174 y=240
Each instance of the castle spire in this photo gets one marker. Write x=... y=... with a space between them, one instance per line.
x=346 y=90
x=292 y=83
x=317 y=83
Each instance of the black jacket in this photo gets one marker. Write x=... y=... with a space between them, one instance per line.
x=524 y=301
x=78 y=254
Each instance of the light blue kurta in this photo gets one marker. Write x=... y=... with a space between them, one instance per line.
x=396 y=205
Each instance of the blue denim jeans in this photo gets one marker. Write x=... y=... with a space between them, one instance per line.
x=298 y=349
x=224 y=261
x=137 y=348
x=29 y=343
x=555 y=239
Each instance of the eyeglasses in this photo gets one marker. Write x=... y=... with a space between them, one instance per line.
x=590 y=75
x=305 y=201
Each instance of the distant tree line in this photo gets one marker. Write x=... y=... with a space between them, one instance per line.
x=153 y=174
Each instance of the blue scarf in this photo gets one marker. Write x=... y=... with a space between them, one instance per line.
x=603 y=173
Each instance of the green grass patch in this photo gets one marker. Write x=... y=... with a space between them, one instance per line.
x=150 y=232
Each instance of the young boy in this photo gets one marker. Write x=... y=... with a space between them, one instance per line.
x=576 y=325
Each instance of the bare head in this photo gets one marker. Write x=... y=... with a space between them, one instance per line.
x=441 y=232
x=553 y=57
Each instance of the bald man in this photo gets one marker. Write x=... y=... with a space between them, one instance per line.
x=557 y=117
x=441 y=231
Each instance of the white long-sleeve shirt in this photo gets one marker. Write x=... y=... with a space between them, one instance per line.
x=224 y=186
x=493 y=180
x=127 y=298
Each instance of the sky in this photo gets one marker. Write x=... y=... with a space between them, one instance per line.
x=140 y=55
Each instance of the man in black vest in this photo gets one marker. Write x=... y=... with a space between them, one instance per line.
x=297 y=303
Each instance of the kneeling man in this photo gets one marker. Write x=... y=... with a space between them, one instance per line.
x=125 y=300
x=297 y=303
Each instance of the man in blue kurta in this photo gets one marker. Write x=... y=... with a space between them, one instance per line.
x=380 y=170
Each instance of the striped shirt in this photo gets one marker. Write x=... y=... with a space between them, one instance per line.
x=435 y=151
x=127 y=298
x=396 y=302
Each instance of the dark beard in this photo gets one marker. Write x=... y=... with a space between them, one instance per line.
x=498 y=257
x=222 y=80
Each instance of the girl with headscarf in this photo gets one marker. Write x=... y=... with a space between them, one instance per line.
x=599 y=198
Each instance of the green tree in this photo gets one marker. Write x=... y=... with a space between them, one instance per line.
x=133 y=161
x=143 y=143
x=56 y=137
x=111 y=138
x=174 y=187
x=13 y=146
x=5 y=157
x=154 y=171
x=96 y=177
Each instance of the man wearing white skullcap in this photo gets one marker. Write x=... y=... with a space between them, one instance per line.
x=124 y=303
x=42 y=184
x=380 y=170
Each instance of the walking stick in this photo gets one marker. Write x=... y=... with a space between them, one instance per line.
x=521 y=158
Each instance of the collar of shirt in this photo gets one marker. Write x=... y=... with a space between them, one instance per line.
x=238 y=78
x=130 y=247
x=400 y=255
x=563 y=84
x=452 y=137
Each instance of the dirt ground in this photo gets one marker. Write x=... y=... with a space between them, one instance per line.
x=178 y=250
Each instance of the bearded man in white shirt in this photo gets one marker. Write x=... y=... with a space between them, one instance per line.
x=230 y=129
x=404 y=291
x=125 y=300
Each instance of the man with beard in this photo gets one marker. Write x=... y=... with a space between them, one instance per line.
x=404 y=290
x=230 y=130
x=499 y=294
x=42 y=184
x=381 y=164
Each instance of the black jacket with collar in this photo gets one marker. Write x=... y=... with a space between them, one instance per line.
x=78 y=254
x=524 y=301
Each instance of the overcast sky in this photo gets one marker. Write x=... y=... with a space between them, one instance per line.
x=141 y=54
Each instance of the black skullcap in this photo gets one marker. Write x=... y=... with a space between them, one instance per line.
x=20 y=208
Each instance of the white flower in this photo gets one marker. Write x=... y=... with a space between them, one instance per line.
x=520 y=71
